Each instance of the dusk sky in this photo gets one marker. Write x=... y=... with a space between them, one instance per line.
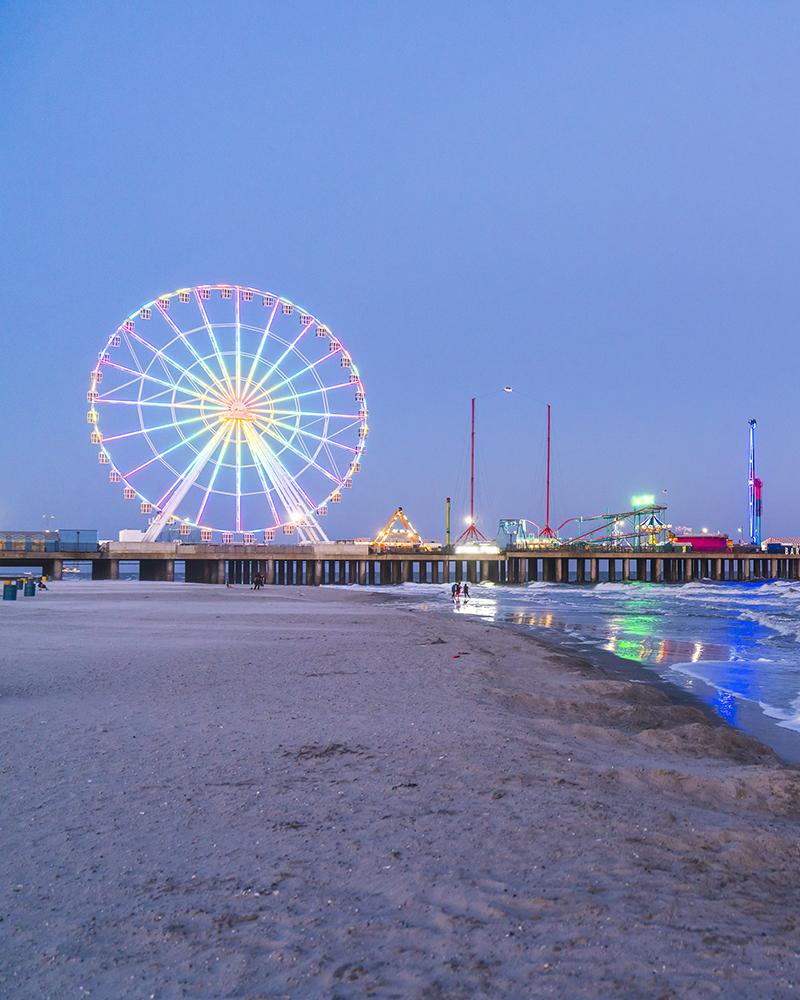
x=597 y=204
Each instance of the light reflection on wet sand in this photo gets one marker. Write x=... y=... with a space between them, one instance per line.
x=627 y=635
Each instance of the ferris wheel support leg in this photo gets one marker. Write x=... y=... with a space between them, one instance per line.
x=291 y=497
x=311 y=531
x=194 y=471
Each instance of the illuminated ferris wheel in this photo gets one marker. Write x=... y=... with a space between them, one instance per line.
x=228 y=409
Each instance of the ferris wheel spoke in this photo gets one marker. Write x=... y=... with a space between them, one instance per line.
x=238 y=470
x=137 y=380
x=330 y=437
x=258 y=463
x=168 y=451
x=157 y=381
x=106 y=396
x=268 y=489
x=188 y=345
x=329 y=440
x=152 y=402
x=309 y=413
x=211 y=391
x=257 y=356
x=150 y=430
x=269 y=468
x=265 y=485
x=314 y=392
x=195 y=466
x=238 y=361
x=294 y=436
x=293 y=496
x=277 y=471
x=306 y=457
x=179 y=489
x=315 y=437
x=217 y=466
x=214 y=344
x=310 y=367
x=273 y=367
x=163 y=358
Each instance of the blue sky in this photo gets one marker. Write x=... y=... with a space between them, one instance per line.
x=595 y=203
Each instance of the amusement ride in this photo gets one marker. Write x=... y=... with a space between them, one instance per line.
x=228 y=411
x=754 y=486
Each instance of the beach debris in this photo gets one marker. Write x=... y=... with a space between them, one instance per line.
x=349 y=973
x=456 y=655
x=312 y=751
x=292 y=824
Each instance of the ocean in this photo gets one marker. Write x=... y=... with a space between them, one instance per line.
x=732 y=645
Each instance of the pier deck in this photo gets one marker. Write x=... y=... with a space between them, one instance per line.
x=312 y=565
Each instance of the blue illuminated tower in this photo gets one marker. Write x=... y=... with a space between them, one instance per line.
x=754 y=487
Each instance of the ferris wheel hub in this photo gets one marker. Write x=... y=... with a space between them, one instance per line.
x=239 y=410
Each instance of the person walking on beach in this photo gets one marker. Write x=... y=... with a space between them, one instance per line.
x=465 y=592
x=454 y=591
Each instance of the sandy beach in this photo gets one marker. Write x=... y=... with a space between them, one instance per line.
x=314 y=793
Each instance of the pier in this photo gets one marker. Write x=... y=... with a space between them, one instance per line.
x=312 y=565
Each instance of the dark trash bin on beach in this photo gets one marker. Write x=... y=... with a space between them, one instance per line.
x=9 y=590
x=30 y=589
x=20 y=584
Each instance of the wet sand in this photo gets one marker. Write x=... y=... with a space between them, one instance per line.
x=313 y=793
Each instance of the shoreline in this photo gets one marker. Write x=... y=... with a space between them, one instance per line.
x=785 y=743
x=764 y=727
x=318 y=793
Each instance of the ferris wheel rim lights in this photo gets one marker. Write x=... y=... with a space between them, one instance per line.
x=261 y=409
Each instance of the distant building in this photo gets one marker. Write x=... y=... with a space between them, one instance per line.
x=703 y=542
x=786 y=543
x=131 y=535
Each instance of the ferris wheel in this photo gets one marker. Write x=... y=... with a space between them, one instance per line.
x=229 y=410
